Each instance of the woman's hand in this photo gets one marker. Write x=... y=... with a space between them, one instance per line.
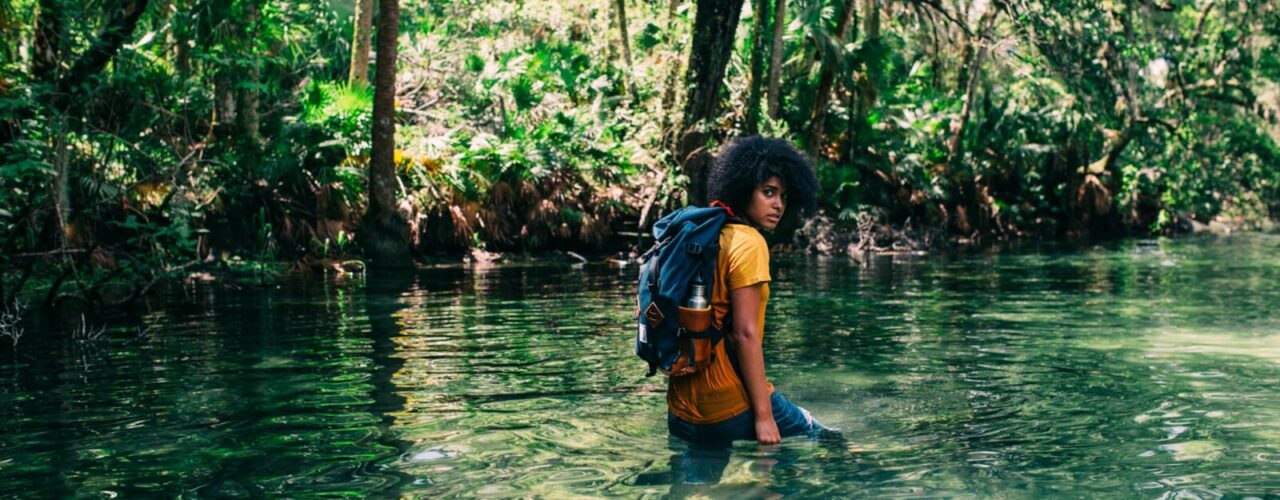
x=767 y=430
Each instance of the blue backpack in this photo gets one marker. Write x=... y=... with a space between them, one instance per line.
x=688 y=242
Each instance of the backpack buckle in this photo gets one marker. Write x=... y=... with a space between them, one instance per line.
x=693 y=249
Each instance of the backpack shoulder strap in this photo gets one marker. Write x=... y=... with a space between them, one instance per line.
x=725 y=332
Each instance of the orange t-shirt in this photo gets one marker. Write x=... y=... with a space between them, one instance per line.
x=715 y=394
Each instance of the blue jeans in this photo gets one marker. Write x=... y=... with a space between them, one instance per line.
x=792 y=420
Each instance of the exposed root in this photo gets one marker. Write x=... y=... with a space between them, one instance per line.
x=11 y=321
x=863 y=233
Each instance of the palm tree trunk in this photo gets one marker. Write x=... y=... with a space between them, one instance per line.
x=384 y=231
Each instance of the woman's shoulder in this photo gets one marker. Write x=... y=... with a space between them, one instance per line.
x=742 y=237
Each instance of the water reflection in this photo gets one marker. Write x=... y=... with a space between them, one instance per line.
x=384 y=296
x=516 y=369
x=1142 y=369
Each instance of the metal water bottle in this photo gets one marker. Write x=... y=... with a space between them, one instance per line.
x=697 y=295
x=695 y=318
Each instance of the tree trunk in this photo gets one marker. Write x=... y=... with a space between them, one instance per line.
x=852 y=115
x=758 y=49
x=11 y=46
x=119 y=27
x=967 y=53
x=176 y=35
x=361 y=38
x=870 y=19
x=621 y=6
x=973 y=202
x=1092 y=188
x=385 y=233
x=224 y=105
x=972 y=73
x=1133 y=114
x=870 y=32
x=826 y=81
x=775 y=55
x=713 y=32
x=60 y=188
x=247 y=120
x=673 y=76
x=181 y=33
x=48 y=40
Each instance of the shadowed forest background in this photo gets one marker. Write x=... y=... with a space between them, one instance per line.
x=141 y=139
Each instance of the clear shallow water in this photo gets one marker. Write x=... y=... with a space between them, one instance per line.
x=1135 y=369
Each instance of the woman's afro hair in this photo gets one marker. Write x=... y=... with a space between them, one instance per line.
x=749 y=161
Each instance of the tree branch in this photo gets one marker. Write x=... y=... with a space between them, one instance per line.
x=1204 y=14
x=118 y=29
x=1173 y=129
x=937 y=7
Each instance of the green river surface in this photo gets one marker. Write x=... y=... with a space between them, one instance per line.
x=1140 y=368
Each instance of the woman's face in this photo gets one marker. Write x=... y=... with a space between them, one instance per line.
x=768 y=202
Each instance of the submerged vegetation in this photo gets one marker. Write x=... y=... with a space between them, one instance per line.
x=139 y=138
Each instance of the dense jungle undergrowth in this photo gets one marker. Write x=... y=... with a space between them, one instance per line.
x=143 y=140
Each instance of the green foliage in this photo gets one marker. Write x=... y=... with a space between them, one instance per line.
x=1064 y=88
x=167 y=241
x=341 y=244
x=840 y=186
x=230 y=122
x=652 y=36
x=539 y=115
x=343 y=110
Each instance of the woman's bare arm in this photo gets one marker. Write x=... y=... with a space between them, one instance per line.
x=745 y=305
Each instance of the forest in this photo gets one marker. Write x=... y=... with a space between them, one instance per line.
x=142 y=140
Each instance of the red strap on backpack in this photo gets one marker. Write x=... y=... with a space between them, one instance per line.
x=726 y=208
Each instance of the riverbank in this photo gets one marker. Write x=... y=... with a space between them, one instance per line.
x=101 y=282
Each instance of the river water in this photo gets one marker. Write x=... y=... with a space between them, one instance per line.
x=1144 y=369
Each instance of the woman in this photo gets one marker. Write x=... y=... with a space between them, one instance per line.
x=756 y=179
